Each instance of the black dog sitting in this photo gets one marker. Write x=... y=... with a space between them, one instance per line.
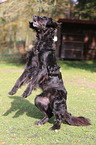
x=42 y=71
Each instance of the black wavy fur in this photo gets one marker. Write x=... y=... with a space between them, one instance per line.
x=41 y=70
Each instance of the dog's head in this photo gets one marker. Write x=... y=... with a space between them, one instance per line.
x=41 y=23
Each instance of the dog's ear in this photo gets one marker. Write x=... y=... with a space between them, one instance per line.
x=51 y=23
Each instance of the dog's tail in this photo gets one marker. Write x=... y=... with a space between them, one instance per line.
x=77 y=121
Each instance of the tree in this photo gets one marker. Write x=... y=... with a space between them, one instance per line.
x=15 y=14
x=60 y=9
x=86 y=9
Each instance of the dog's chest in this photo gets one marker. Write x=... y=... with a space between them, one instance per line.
x=43 y=58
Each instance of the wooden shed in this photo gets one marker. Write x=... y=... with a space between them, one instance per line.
x=76 y=39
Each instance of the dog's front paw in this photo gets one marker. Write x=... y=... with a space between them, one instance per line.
x=12 y=92
x=27 y=92
x=24 y=95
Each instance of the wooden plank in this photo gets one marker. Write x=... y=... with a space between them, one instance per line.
x=68 y=41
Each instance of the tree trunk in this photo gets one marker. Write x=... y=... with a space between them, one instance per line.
x=15 y=41
x=26 y=43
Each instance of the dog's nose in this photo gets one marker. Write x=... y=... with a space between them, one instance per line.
x=35 y=18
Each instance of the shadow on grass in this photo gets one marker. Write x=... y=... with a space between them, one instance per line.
x=21 y=106
x=84 y=65
x=15 y=59
x=19 y=60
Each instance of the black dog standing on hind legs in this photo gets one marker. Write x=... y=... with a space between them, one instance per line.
x=42 y=71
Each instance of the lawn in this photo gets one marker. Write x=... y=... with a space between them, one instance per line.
x=17 y=115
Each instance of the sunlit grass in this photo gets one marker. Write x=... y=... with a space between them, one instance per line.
x=17 y=115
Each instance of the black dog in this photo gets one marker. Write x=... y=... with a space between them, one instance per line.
x=42 y=71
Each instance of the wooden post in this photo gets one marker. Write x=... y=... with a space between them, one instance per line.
x=58 y=43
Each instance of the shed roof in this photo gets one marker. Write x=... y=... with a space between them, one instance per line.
x=77 y=21
x=84 y=24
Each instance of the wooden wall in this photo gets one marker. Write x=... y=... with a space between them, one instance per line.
x=90 y=45
x=76 y=41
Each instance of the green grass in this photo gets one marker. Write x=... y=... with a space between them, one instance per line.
x=17 y=115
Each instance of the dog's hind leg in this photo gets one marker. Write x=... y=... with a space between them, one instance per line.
x=43 y=104
x=59 y=107
x=58 y=122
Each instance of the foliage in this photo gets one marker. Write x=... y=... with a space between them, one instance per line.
x=15 y=15
x=60 y=9
x=17 y=115
x=86 y=9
